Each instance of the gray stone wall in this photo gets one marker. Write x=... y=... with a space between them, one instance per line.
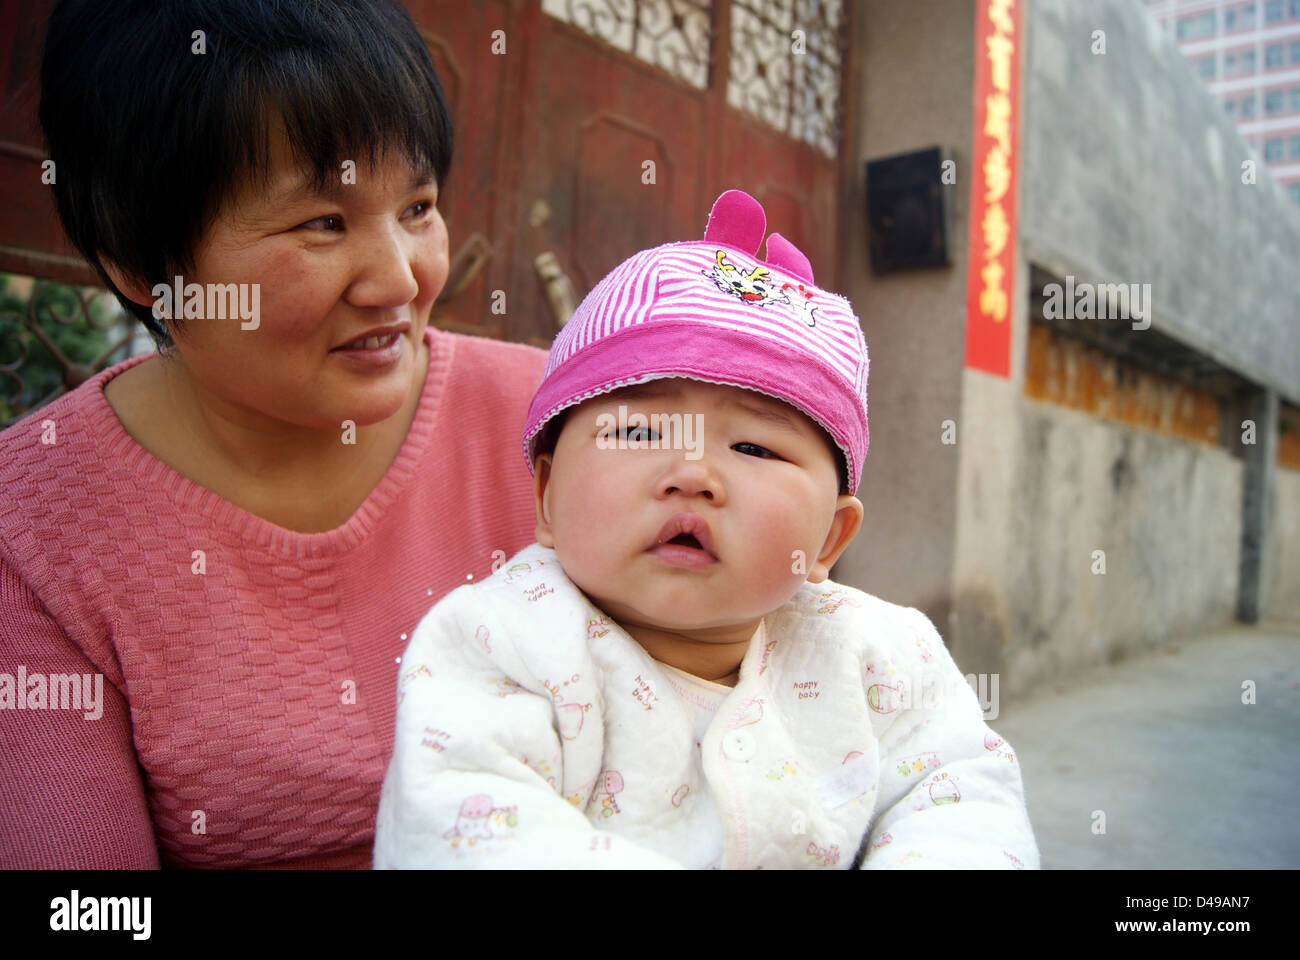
x=1106 y=541
x=1132 y=173
x=1282 y=548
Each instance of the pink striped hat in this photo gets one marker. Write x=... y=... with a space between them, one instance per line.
x=710 y=310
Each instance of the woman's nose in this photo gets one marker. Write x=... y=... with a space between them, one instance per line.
x=384 y=275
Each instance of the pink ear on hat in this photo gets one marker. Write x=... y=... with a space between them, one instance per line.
x=737 y=219
x=784 y=254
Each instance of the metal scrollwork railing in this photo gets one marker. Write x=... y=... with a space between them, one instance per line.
x=674 y=35
x=53 y=342
x=786 y=55
x=786 y=58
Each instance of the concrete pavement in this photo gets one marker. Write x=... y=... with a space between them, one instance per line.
x=1186 y=774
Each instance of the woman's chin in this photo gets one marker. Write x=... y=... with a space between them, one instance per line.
x=371 y=409
x=370 y=398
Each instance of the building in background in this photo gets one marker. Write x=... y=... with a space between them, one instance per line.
x=1248 y=54
x=1114 y=481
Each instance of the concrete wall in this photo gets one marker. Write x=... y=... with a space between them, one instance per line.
x=1282 y=549
x=1132 y=173
x=913 y=69
x=1031 y=602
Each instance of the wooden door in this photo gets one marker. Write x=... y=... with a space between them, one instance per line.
x=31 y=240
x=624 y=121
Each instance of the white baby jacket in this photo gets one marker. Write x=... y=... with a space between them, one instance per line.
x=533 y=731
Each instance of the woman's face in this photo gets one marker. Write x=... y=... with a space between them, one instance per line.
x=331 y=267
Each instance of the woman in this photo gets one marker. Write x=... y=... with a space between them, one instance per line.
x=233 y=538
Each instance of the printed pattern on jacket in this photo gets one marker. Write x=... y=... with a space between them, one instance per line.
x=533 y=731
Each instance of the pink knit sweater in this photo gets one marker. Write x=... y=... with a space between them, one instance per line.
x=247 y=710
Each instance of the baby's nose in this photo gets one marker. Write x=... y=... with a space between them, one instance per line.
x=691 y=478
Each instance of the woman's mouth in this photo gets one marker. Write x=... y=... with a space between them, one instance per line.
x=376 y=352
x=370 y=343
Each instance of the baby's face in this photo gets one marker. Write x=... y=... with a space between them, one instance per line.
x=755 y=477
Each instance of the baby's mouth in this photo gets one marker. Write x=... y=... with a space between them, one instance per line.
x=685 y=540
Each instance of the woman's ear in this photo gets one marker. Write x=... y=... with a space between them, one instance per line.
x=542 y=500
x=844 y=527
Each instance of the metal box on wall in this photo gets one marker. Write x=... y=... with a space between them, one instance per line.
x=907 y=211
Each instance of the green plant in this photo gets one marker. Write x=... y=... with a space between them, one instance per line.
x=50 y=340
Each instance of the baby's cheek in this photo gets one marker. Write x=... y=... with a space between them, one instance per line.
x=778 y=554
x=587 y=532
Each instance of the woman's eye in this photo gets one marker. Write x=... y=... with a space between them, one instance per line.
x=422 y=209
x=331 y=223
x=754 y=450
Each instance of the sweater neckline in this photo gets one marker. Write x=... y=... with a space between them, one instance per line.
x=116 y=445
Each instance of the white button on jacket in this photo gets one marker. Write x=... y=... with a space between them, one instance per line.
x=738 y=745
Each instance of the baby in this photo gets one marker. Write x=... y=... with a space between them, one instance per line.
x=668 y=678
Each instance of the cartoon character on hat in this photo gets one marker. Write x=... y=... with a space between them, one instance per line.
x=737 y=219
x=756 y=286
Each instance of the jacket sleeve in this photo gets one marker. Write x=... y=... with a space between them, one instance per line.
x=477 y=774
x=951 y=794
x=71 y=792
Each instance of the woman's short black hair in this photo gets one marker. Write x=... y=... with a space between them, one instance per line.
x=151 y=137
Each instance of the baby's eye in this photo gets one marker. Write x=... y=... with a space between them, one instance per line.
x=639 y=434
x=749 y=448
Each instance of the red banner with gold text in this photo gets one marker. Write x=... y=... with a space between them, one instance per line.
x=994 y=154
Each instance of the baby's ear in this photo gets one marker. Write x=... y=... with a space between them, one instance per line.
x=844 y=527
x=542 y=500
